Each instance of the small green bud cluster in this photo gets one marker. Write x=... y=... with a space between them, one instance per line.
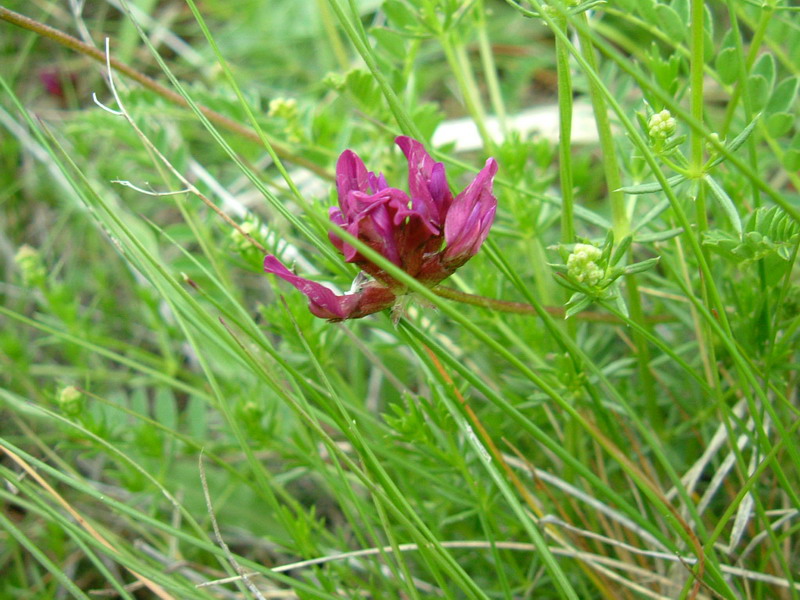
x=252 y=411
x=593 y=273
x=334 y=81
x=710 y=147
x=285 y=108
x=70 y=400
x=661 y=125
x=240 y=242
x=582 y=264
x=30 y=265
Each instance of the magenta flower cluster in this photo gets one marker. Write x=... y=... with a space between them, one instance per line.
x=429 y=234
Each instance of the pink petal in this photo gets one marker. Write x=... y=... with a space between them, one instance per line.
x=351 y=175
x=322 y=301
x=427 y=182
x=470 y=217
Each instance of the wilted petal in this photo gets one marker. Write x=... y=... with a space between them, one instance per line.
x=323 y=303
x=427 y=182
x=470 y=217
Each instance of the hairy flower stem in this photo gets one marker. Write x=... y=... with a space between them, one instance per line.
x=489 y=67
x=457 y=58
x=77 y=45
x=619 y=216
x=696 y=63
x=527 y=309
x=565 y=138
x=572 y=430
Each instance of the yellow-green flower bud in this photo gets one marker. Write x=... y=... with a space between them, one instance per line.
x=70 y=400
x=240 y=242
x=285 y=108
x=30 y=265
x=582 y=264
x=334 y=81
x=253 y=411
x=714 y=137
x=661 y=125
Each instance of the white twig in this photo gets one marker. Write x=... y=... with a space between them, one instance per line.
x=128 y=184
x=228 y=554
x=689 y=560
x=573 y=491
x=587 y=557
x=117 y=113
x=146 y=141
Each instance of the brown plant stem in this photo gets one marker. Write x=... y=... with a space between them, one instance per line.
x=77 y=45
x=526 y=309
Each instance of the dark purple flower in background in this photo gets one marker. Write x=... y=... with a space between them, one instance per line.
x=429 y=234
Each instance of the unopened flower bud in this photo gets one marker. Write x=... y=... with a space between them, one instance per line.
x=582 y=264
x=71 y=401
x=710 y=147
x=285 y=108
x=240 y=242
x=661 y=125
x=334 y=81
x=30 y=265
x=253 y=411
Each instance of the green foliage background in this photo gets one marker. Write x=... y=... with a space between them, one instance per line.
x=644 y=447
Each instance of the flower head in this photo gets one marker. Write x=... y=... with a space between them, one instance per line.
x=429 y=233
x=661 y=125
x=582 y=264
x=71 y=400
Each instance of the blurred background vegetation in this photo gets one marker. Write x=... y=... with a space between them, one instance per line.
x=137 y=329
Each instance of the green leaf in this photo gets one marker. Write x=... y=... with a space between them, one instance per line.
x=391 y=41
x=708 y=42
x=642 y=266
x=621 y=249
x=722 y=242
x=670 y=22
x=658 y=236
x=791 y=160
x=681 y=8
x=621 y=306
x=427 y=117
x=649 y=188
x=608 y=245
x=727 y=65
x=196 y=418
x=737 y=142
x=784 y=96
x=400 y=15
x=780 y=123
x=164 y=408
x=725 y=202
x=647 y=8
x=576 y=304
x=769 y=234
x=641 y=117
x=761 y=81
x=363 y=89
x=765 y=67
x=740 y=139
x=759 y=89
